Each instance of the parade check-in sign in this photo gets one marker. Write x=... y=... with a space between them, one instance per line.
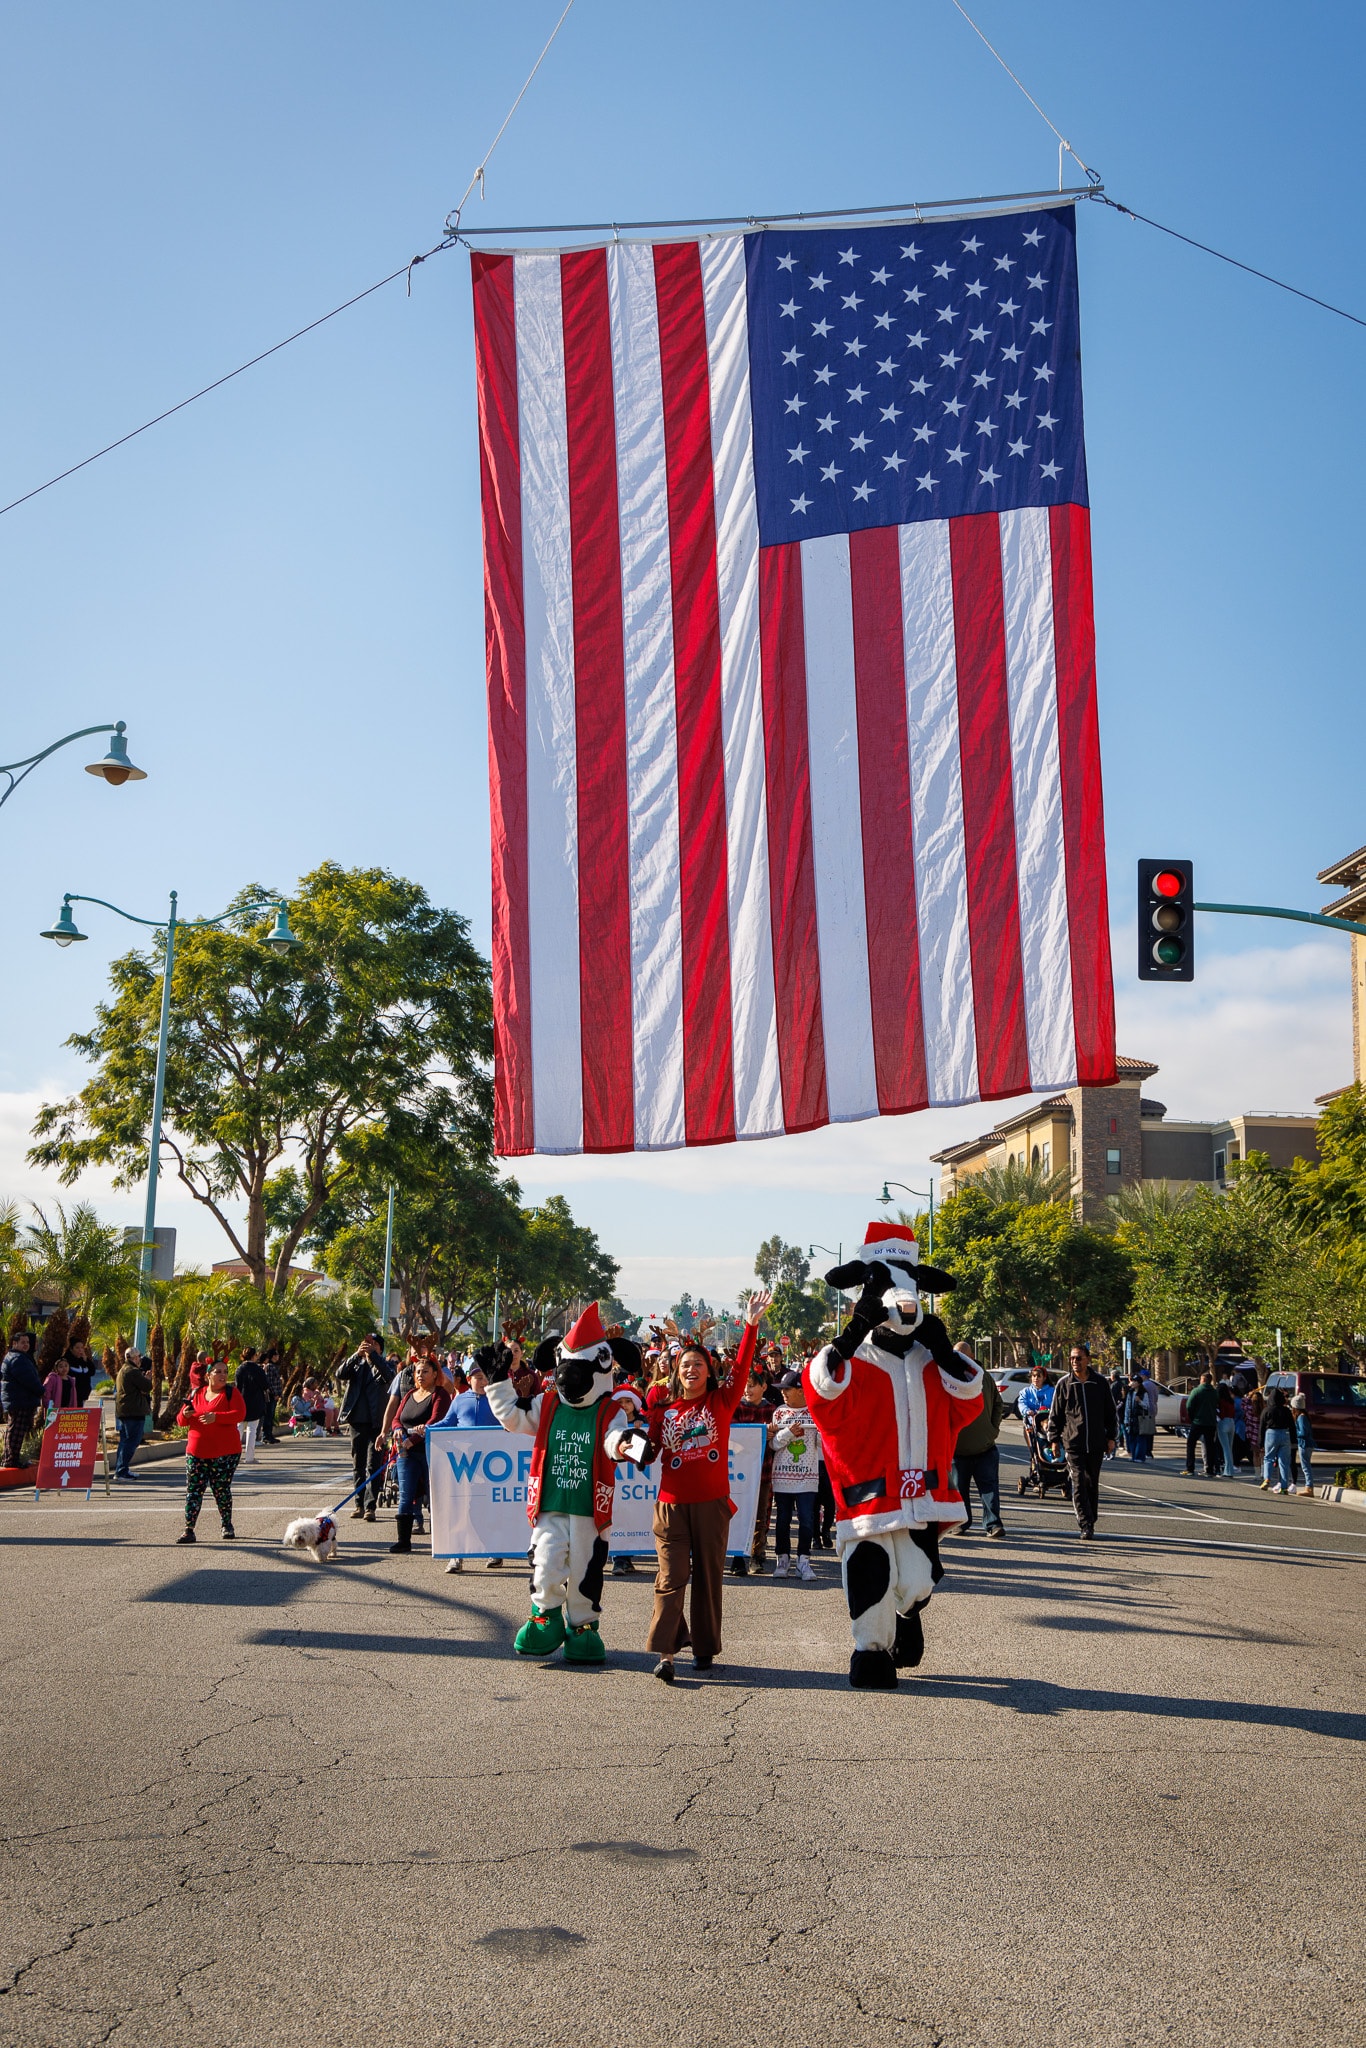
x=478 y=1494
x=71 y=1444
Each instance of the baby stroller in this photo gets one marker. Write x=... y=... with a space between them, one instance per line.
x=1047 y=1467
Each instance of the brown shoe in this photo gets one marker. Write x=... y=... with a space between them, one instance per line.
x=358 y=1514
x=369 y=1514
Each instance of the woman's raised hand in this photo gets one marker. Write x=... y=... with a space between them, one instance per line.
x=757 y=1307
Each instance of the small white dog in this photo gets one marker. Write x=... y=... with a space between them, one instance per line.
x=317 y=1534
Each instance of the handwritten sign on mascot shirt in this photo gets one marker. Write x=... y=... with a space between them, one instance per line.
x=71 y=1444
x=478 y=1494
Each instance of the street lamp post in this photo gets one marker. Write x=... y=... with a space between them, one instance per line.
x=115 y=767
x=64 y=933
x=921 y=1194
x=838 y=1257
x=388 y=1265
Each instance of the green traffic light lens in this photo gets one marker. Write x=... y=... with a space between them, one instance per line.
x=1169 y=952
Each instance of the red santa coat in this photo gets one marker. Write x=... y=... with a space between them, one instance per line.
x=888 y=1430
x=613 y=1415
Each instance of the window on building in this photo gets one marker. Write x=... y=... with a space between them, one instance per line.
x=1112 y=1159
x=1220 y=1164
x=1034 y=1157
x=1048 y=1158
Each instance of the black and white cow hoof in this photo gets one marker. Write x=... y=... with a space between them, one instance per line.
x=873 y=1671
x=910 y=1640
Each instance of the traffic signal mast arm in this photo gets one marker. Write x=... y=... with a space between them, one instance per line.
x=1338 y=924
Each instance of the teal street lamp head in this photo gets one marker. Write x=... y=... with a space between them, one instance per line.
x=886 y=1194
x=64 y=932
x=282 y=939
x=116 y=766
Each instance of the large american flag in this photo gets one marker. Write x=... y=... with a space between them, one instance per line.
x=795 y=771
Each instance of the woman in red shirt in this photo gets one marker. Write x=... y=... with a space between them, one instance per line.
x=690 y=1421
x=213 y=1448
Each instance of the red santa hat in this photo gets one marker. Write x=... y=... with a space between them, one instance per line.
x=586 y=1335
x=889 y=1241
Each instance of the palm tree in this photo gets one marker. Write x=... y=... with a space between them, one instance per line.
x=1027 y=1185
x=16 y=1277
x=1143 y=1209
x=85 y=1265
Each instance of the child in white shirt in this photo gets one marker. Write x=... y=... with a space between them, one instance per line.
x=796 y=1477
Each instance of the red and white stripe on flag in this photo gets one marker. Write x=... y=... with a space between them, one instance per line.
x=783 y=835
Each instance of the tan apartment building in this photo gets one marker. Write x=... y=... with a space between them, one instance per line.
x=1350 y=874
x=1113 y=1138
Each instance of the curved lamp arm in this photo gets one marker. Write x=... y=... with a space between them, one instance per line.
x=116 y=767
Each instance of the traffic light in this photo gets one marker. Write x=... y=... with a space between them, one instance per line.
x=1166 y=921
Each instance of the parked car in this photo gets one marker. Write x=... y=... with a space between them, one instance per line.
x=1337 y=1406
x=1171 y=1401
x=1012 y=1381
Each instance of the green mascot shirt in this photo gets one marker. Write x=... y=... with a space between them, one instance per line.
x=568 y=1484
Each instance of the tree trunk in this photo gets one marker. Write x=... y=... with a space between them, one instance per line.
x=52 y=1344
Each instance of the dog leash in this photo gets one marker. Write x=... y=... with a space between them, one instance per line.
x=375 y=1479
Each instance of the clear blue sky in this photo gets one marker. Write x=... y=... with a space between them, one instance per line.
x=280 y=589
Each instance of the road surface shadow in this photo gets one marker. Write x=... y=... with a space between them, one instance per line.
x=367 y=1644
x=1041 y=1696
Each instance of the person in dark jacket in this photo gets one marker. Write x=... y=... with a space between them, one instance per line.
x=275 y=1393
x=82 y=1369
x=365 y=1377
x=975 y=1456
x=251 y=1385
x=1202 y=1423
x=1081 y=1418
x=132 y=1406
x=21 y=1393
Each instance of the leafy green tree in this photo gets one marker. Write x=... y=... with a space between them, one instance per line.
x=1198 y=1272
x=1028 y=1271
x=382 y=1011
x=456 y=1223
x=775 y=1262
x=558 y=1265
x=796 y=1314
x=612 y=1310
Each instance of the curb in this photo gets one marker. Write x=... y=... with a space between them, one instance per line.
x=151 y=1454
x=1342 y=1497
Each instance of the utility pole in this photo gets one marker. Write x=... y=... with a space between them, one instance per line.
x=388 y=1266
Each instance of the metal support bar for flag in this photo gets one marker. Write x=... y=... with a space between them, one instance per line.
x=896 y=209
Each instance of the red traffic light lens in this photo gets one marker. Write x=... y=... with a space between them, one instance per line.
x=1165 y=883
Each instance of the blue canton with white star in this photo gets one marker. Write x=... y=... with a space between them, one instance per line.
x=914 y=372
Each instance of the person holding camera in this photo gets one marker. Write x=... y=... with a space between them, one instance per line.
x=364 y=1377
x=404 y=1429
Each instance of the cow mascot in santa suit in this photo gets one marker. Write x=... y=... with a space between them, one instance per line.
x=582 y=1429
x=889 y=1397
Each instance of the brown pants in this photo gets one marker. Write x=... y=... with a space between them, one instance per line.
x=690 y=1541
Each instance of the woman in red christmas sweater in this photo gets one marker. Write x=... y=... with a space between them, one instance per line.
x=690 y=1420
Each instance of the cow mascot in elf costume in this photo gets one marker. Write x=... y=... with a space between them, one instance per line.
x=581 y=1429
x=889 y=1397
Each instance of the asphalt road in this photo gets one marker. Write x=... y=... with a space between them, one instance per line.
x=250 y=1800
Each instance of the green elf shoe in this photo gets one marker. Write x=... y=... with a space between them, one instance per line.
x=584 y=1645
x=542 y=1634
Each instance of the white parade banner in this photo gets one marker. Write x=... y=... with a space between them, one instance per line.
x=478 y=1494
